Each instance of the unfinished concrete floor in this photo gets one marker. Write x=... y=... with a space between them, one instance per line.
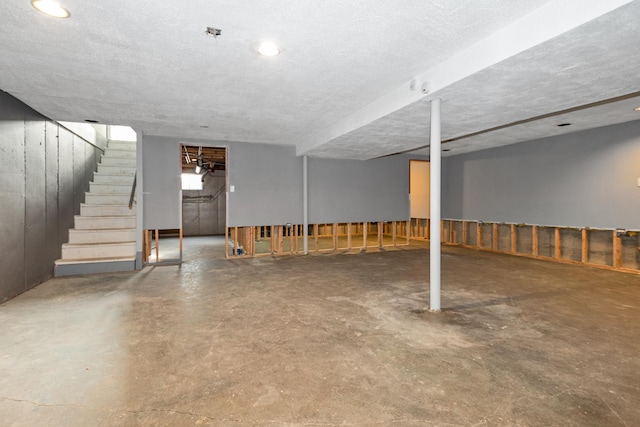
x=326 y=340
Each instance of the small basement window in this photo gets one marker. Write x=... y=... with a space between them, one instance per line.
x=191 y=181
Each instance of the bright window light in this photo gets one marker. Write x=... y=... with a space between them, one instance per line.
x=268 y=49
x=191 y=181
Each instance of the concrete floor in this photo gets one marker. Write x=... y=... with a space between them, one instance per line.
x=325 y=340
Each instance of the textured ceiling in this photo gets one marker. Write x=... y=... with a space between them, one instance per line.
x=149 y=65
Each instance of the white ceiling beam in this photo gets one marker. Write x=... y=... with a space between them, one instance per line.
x=545 y=23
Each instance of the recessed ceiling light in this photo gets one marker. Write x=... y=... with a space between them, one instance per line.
x=268 y=49
x=561 y=125
x=51 y=8
x=637 y=108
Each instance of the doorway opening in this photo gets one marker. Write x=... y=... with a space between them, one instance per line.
x=419 y=196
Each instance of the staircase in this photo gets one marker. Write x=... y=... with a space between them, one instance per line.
x=104 y=237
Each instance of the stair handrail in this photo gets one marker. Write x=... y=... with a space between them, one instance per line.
x=133 y=191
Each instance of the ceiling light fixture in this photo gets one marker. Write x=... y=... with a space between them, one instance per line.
x=268 y=49
x=51 y=8
x=637 y=109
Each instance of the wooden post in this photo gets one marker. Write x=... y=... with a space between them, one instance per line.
x=617 y=250
x=534 y=240
x=335 y=236
x=273 y=239
x=452 y=232
x=585 y=246
x=514 y=239
x=380 y=236
x=408 y=233
x=479 y=235
x=557 y=254
x=316 y=230
x=365 y=225
x=494 y=236
x=157 y=245
x=235 y=240
x=394 y=232
x=442 y=239
x=464 y=233
x=280 y=238
x=348 y=236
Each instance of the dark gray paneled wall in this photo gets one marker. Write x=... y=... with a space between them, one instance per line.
x=357 y=191
x=44 y=172
x=582 y=179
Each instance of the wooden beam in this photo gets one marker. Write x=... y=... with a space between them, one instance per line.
x=557 y=243
x=452 y=231
x=585 y=245
x=465 y=232
x=617 y=250
x=494 y=236
x=514 y=239
x=534 y=240
x=408 y=233
x=365 y=225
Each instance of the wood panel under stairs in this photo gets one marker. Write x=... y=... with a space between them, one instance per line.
x=104 y=235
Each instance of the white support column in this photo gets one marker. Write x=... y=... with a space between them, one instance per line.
x=305 y=206
x=434 y=245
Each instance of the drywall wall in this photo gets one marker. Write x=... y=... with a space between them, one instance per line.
x=419 y=189
x=582 y=179
x=161 y=183
x=45 y=170
x=267 y=184
x=357 y=191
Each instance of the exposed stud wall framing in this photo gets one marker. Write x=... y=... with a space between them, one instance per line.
x=593 y=247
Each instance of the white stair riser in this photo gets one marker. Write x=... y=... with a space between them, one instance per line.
x=105 y=210
x=100 y=178
x=109 y=188
x=121 y=146
x=106 y=199
x=102 y=236
x=108 y=250
x=102 y=222
x=117 y=161
x=123 y=154
x=116 y=170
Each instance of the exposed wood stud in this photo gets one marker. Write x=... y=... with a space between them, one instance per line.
x=316 y=231
x=157 y=245
x=408 y=223
x=534 y=240
x=380 y=233
x=235 y=240
x=452 y=231
x=465 y=233
x=585 y=245
x=442 y=239
x=557 y=243
x=349 y=236
x=335 y=236
x=427 y=231
x=494 y=236
x=479 y=235
x=394 y=232
x=617 y=250
x=365 y=225
x=514 y=239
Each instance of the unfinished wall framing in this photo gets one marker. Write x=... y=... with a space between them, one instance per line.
x=595 y=247
x=288 y=239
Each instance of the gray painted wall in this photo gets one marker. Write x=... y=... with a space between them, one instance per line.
x=582 y=179
x=267 y=182
x=357 y=191
x=161 y=191
x=44 y=171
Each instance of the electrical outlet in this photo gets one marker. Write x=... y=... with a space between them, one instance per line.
x=232 y=188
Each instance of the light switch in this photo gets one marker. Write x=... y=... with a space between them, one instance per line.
x=232 y=188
